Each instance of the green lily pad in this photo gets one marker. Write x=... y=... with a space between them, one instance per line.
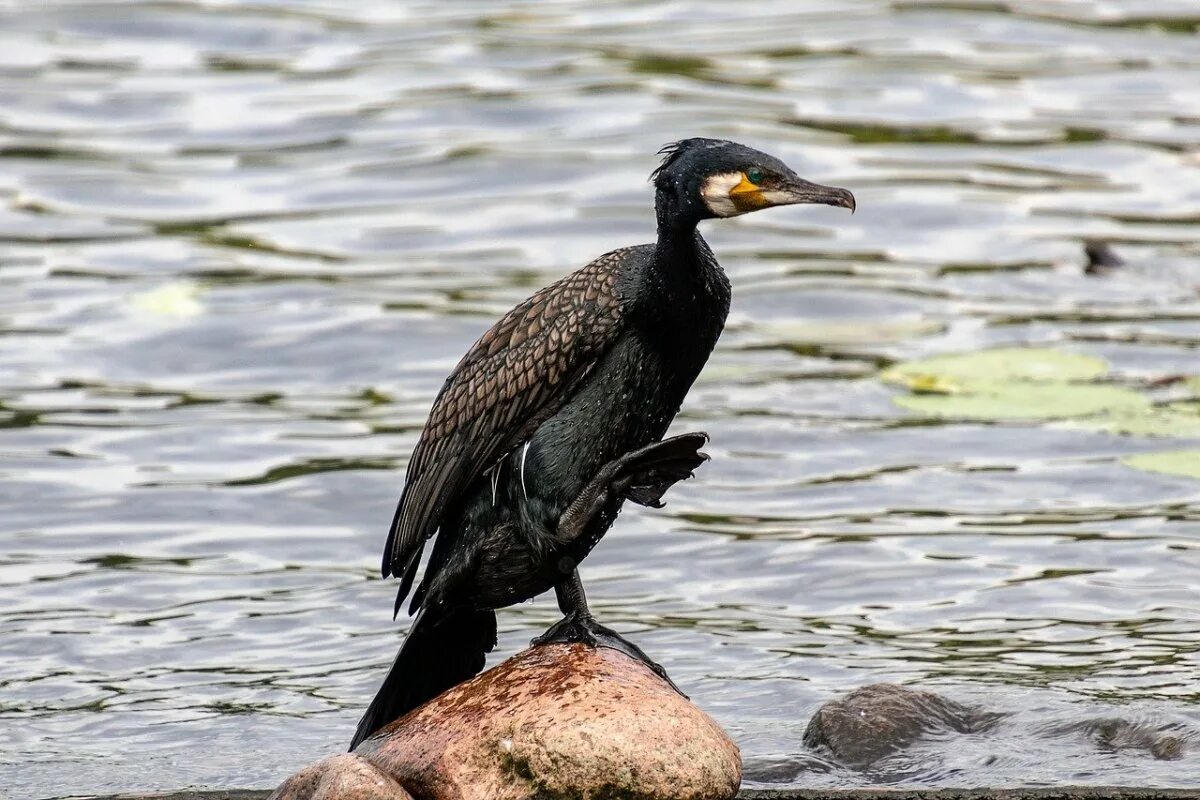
x=1173 y=462
x=1012 y=400
x=1011 y=383
x=1037 y=364
x=1177 y=419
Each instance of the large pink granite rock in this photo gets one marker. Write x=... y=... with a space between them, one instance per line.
x=558 y=721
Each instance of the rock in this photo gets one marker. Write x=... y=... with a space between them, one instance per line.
x=883 y=718
x=796 y=769
x=1111 y=733
x=557 y=721
x=344 y=777
x=563 y=721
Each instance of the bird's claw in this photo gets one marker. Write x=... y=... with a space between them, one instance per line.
x=584 y=629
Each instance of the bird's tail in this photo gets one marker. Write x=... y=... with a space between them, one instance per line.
x=442 y=649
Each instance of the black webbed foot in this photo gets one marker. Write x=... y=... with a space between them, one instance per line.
x=645 y=475
x=584 y=629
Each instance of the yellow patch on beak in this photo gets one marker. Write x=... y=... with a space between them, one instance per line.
x=728 y=194
x=747 y=196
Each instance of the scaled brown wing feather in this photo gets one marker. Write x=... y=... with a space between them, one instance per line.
x=515 y=377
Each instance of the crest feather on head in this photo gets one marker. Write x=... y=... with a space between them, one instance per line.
x=672 y=152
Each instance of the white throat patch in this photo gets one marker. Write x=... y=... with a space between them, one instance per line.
x=715 y=193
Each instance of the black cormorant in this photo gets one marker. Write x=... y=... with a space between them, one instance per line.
x=553 y=419
x=1101 y=258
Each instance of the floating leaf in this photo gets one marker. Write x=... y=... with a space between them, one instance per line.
x=1172 y=462
x=1011 y=400
x=1177 y=419
x=170 y=300
x=1011 y=383
x=1039 y=364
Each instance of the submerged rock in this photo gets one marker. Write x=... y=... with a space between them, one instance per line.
x=797 y=769
x=880 y=720
x=1112 y=733
x=884 y=718
x=557 y=721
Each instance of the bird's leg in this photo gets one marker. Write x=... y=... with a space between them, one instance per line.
x=642 y=476
x=570 y=595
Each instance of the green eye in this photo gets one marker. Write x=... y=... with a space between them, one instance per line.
x=754 y=175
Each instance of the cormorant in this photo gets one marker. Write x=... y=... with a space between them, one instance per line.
x=553 y=418
x=1101 y=258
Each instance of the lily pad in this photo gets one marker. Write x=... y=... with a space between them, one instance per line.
x=1011 y=383
x=1185 y=463
x=1177 y=419
x=1032 y=383
x=1012 y=400
x=1034 y=364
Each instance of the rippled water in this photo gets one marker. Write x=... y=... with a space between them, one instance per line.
x=244 y=240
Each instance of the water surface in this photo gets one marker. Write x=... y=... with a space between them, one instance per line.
x=242 y=243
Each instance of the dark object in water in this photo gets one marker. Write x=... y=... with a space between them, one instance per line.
x=1113 y=733
x=578 y=376
x=1101 y=258
x=795 y=769
x=881 y=719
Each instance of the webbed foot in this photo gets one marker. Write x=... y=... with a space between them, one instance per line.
x=645 y=475
x=584 y=629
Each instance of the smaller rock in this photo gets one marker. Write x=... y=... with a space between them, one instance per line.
x=883 y=718
x=344 y=777
x=1113 y=733
x=794 y=768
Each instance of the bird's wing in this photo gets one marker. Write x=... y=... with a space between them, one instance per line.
x=515 y=377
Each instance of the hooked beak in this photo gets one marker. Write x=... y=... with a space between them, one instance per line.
x=798 y=190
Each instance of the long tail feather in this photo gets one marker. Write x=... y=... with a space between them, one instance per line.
x=442 y=650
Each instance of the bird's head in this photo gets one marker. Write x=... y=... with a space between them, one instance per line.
x=706 y=178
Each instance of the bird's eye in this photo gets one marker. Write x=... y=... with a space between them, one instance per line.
x=754 y=175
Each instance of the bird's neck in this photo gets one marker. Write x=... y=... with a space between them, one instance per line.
x=678 y=245
x=680 y=253
x=684 y=267
x=687 y=298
